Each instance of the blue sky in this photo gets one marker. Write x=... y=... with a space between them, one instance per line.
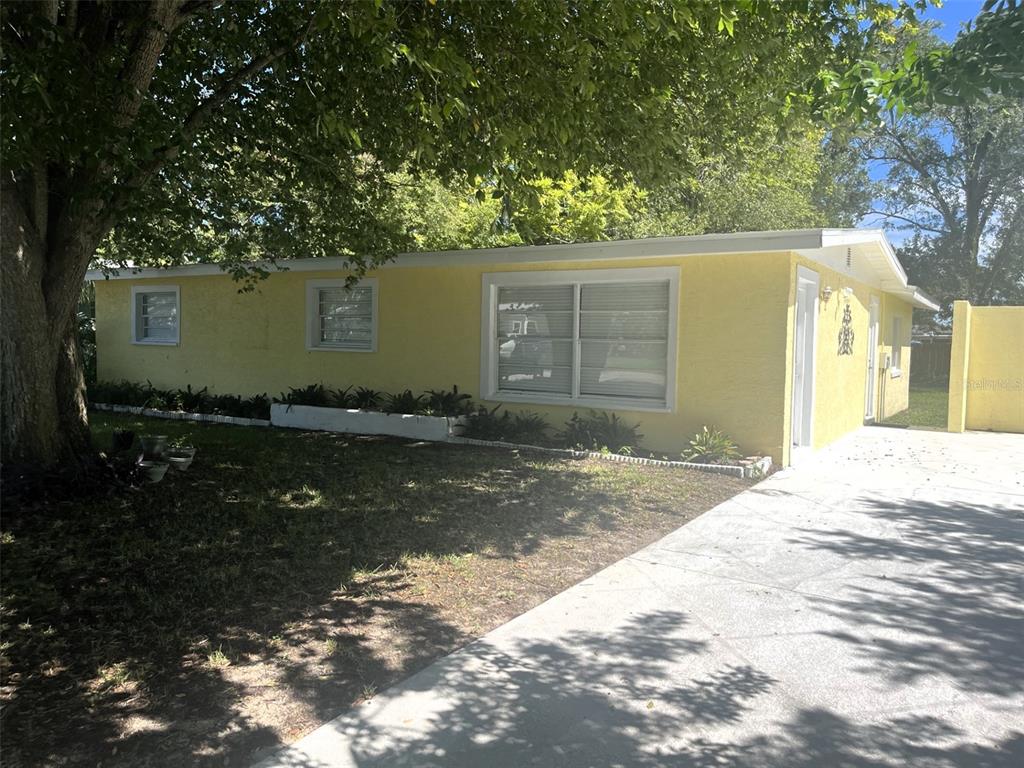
x=952 y=14
x=950 y=18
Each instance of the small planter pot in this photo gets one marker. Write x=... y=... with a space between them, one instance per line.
x=153 y=446
x=153 y=471
x=180 y=458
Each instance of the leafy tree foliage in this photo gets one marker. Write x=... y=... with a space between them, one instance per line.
x=764 y=184
x=804 y=181
x=190 y=127
x=986 y=59
x=955 y=185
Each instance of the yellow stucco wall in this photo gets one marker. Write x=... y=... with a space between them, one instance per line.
x=731 y=364
x=987 y=369
x=840 y=380
x=734 y=362
x=894 y=389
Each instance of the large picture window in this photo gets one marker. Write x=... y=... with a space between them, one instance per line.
x=155 y=316
x=589 y=337
x=340 y=317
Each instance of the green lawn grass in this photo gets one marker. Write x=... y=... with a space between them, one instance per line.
x=927 y=409
x=285 y=576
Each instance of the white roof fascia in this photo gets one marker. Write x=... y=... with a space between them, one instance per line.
x=653 y=247
x=824 y=246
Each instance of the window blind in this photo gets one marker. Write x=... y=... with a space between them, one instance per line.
x=584 y=340
x=345 y=317
x=535 y=339
x=624 y=340
x=157 y=315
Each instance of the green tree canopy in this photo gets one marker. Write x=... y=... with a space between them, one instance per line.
x=244 y=129
x=954 y=186
x=763 y=184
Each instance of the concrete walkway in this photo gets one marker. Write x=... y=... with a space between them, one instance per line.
x=866 y=609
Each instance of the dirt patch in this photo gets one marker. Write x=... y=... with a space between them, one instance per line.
x=286 y=577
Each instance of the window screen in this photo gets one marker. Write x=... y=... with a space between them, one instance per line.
x=344 y=318
x=580 y=340
x=156 y=316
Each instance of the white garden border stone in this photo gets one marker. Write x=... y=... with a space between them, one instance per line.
x=755 y=467
x=214 y=418
x=354 y=421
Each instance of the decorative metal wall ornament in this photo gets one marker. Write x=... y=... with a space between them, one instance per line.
x=846 y=332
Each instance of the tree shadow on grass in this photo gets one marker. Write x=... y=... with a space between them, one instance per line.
x=134 y=620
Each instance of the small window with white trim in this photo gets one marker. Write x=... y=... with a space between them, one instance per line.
x=603 y=338
x=341 y=317
x=896 y=367
x=155 y=314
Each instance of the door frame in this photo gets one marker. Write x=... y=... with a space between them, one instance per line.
x=871 y=388
x=808 y=282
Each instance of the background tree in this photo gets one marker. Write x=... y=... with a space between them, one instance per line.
x=189 y=128
x=804 y=180
x=954 y=184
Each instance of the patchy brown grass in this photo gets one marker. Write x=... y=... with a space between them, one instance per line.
x=286 y=577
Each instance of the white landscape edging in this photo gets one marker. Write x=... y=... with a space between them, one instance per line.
x=352 y=421
x=213 y=418
x=754 y=468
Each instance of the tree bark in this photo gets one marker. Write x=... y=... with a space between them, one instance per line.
x=43 y=419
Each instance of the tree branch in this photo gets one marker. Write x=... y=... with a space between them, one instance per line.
x=190 y=8
x=141 y=61
x=202 y=111
x=908 y=157
x=918 y=225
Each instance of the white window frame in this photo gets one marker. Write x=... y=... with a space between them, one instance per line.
x=896 y=348
x=134 y=330
x=492 y=281
x=313 y=288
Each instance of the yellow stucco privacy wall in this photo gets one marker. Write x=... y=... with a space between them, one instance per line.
x=986 y=372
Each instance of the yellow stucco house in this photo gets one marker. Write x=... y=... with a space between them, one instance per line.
x=784 y=340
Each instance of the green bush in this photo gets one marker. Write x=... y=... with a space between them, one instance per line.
x=188 y=400
x=443 y=402
x=313 y=394
x=600 y=431
x=403 y=402
x=256 y=407
x=712 y=446
x=367 y=399
x=485 y=424
x=528 y=427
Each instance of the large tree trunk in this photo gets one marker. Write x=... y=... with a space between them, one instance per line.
x=43 y=419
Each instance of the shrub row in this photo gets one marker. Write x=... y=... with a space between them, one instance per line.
x=433 y=402
x=596 y=430
x=188 y=399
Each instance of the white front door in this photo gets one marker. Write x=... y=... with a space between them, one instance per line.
x=869 y=390
x=805 y=333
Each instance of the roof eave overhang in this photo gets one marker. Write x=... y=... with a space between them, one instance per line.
x=884 y=268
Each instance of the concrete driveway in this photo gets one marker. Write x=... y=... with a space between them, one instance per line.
x=865 y=609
